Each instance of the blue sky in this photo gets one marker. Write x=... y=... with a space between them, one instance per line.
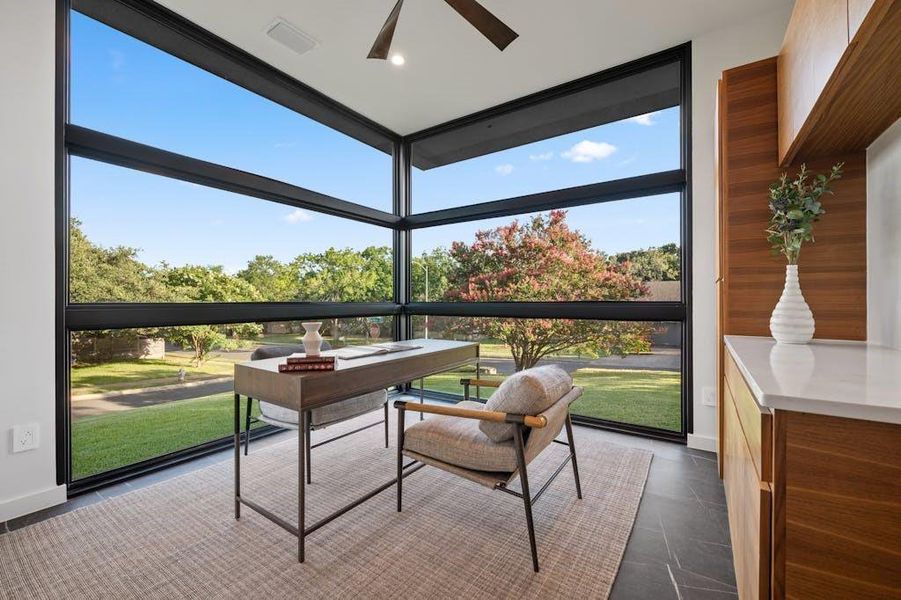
x=129 y=89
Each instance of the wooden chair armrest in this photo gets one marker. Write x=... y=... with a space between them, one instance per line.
x=481 y=382
x=536 y=422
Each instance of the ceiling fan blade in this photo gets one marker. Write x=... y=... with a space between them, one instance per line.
x=490 y=26
x=383 y=40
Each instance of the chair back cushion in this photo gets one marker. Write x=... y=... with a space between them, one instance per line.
x=528 y=392
x=264 y=352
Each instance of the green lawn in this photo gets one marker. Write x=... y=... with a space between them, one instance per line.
x=112 y=440
x=650 y=398
x=143 y=373
x=121 y=438
x=146 y=373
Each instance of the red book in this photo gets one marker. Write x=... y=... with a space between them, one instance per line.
x=304 y=360
x=306 y=367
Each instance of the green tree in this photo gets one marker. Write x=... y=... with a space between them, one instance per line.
x=195 y=283
x=202 y=339
x=379 y=269
x=274 y=280
x=543 y=260
x=344 y=275
x=653 y=264
x=434 y=268
x=98 y=274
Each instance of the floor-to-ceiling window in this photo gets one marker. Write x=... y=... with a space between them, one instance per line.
x=211 y=204
x=202 y=221
x=553 y=230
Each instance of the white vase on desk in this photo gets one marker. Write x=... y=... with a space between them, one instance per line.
x=312 y=339
x=792 y=322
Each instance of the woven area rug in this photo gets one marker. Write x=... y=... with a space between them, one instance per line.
x=455 y=539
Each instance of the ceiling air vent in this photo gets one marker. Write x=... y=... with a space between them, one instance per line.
x=292 y=37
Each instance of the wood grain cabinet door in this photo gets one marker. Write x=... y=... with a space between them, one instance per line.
x=749 y=503
x=816 y=39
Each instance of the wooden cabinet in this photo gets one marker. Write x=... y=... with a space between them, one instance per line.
x=816 y=39
x=748 y=495
x=839 y=76
x=814 y=501
x=832 y=270
x=836 y=508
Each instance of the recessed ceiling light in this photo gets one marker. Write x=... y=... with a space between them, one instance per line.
x=398 y=59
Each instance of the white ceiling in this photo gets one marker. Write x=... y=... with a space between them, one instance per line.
x=451 y=70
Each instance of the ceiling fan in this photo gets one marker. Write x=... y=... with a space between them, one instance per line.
x=478 y=16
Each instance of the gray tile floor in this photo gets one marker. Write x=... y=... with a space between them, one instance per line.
x=679 y=546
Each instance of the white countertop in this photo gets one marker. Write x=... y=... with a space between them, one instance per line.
x=827 y=377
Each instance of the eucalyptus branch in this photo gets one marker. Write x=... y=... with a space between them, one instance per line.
x=795 y=206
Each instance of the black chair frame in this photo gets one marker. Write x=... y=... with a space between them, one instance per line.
x=520 y=433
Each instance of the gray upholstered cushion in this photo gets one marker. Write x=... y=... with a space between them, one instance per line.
x=347 y=409
x=459 y=442
x=528 y=392
x=278 y=415
x=264 y=352
x=320 y=417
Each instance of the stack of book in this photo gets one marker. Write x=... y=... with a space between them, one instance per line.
x=302 y=364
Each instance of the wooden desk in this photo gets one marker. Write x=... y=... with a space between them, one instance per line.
x=351 y=377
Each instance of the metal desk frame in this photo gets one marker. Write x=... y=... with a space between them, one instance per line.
x=302 y=530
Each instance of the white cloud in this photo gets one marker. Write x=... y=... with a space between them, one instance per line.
x=587 y=151
x=542 y=156
x=298 y=216
x=505 y=169
x=646 y=119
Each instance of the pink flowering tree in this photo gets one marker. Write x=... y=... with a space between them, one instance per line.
x=543 y=260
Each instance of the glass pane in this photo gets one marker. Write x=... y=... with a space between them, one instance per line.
x=130 y=89
x=635 y=146
x=141 y=393
x=630 y=372
x=136 y=237
x=625 y=250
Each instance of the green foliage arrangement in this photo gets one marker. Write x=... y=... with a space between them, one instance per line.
x=796 y=206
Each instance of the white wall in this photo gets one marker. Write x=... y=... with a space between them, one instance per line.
x=27 y=479
x=884 y=239
x=711 y=54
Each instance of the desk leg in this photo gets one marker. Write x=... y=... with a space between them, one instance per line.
x=237 y=455
x=303 y=433
x=421 y=396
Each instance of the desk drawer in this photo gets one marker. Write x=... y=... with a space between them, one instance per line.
x=756 y=422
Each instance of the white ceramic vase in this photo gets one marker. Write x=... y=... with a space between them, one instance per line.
x=792 y=322
x=312 y=339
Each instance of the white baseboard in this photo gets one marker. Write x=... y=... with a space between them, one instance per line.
x=25 y=505
x=702 y=442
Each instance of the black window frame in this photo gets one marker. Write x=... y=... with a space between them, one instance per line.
x=168 y=31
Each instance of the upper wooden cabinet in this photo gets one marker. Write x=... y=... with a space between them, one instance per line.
x=839 y=75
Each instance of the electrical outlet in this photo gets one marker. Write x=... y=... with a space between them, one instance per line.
x=25 y=437
x=708 y=396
